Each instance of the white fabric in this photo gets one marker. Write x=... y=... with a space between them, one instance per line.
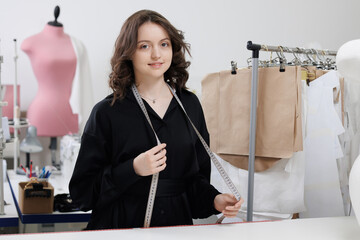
x=81 y=99
x=343 y=163
x=351 y=138
x=323 y=125
x=69 y=150
x=278 y=191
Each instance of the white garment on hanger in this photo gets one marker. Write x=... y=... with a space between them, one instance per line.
x=343 y=163
x=322 y=188
x=277 y=193
x=351 y=138
x=81 y=99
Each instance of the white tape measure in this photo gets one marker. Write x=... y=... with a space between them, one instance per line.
x=155 y=177
x=213 y=157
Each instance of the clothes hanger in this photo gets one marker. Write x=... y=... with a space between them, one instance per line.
x=306 y=74
x=282 y=59
x=233 y=67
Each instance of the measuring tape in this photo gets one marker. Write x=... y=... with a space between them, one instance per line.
x=155 y=177
x=213 y=157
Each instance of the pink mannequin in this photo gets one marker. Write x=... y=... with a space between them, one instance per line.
x=53 y=60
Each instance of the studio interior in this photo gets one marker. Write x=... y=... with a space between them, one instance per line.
x=273 y=119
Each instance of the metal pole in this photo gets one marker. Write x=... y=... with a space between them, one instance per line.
x=2 y=146
x=252 y=133
x=295 y=50
x=16 y=114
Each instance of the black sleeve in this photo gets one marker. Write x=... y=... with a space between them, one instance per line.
x=96 y=180
x=203 y=193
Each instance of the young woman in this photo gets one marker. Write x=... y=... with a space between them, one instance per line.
x=119 y=151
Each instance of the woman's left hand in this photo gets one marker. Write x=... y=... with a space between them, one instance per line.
x=227 y=204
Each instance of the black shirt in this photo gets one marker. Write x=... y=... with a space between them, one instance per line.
x=104 y=179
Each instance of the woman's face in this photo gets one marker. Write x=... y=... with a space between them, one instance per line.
x=153 y=54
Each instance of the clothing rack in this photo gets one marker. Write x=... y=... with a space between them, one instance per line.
x=293 y=50
x=256 y=48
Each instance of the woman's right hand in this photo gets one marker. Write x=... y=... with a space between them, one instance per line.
x=151 y=161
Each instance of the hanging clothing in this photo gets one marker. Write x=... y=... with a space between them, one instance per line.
x=352 y=106
x=104 y=179
x=350 y=139
x=226 y=103
x=323 y=126
x=278 y=191
x=81 y=98
x=344 y=163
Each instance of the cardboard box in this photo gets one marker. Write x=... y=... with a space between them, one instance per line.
x=36 y=197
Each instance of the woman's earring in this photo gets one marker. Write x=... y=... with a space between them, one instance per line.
x=168 y=80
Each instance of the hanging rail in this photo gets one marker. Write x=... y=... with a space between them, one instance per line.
x=256 y=48
x=298 y=50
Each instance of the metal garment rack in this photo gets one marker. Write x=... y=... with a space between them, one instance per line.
x=251 y=46
x=256 y=48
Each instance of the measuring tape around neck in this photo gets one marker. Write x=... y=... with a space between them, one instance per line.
x=155 y=177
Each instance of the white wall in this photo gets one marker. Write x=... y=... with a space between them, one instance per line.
x=218 y=30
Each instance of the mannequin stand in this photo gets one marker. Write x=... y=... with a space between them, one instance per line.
x=54 y=162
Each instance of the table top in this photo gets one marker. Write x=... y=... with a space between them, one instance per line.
x=336 y=228
x=55 y=217
x=10 y=219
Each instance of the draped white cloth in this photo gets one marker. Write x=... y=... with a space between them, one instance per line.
x=81 y=99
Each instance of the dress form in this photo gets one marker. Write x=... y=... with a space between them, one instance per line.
x=54 y=63
x=53 y=60
x=348 y=62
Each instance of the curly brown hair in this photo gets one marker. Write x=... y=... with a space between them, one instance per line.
x=122 y=75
